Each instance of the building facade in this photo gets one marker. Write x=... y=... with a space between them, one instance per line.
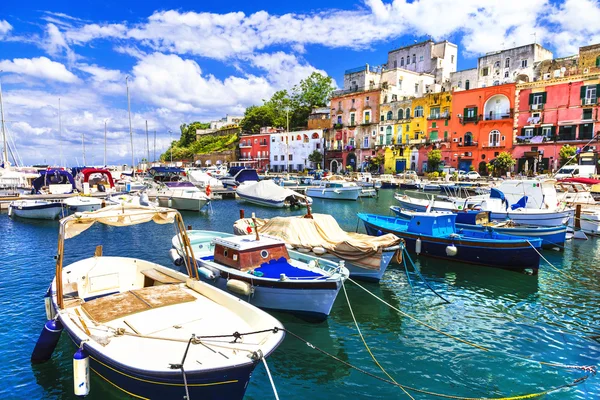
x=319 y=118
x=290 y=150
x=437 y=59
x=255 y=149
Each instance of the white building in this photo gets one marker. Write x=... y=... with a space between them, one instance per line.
x=290 y=150
x=437 y=59
x=226 y=121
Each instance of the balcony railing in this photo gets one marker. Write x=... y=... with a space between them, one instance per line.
x=495 y=116
x=493 y=144
x=473 y=119
x=467 y=144
x=244 y=145
x=567 y=136
x=444 y=115
x=416 y=141
x=338 y=126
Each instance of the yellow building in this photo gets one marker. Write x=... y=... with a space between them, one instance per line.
x=393 y=131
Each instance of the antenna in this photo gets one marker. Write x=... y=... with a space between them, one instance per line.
x=534 y=34
x=147 y=145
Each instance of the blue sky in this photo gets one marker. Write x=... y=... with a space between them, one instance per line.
x=190 y=61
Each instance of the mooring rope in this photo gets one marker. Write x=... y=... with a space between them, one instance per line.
x=552 y=265
x=423 y=278
x=264 y=360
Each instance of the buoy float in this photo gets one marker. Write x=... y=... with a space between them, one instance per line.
x=451 y=250
x=177 y=260
x=418 y=246
x=47 y=341
x=81 y=373
x=239 y=287
x=50 y=313
x=302 y=250
x=207 y=273
x=319 y=250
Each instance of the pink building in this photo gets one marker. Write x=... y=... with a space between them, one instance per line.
x=255 y=149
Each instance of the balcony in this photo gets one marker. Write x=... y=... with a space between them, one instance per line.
x=244 y=145
x=417 y=141
x=493 y=145
x=536 y=107
x=338 y=126
x=468 y=144
x=465 y=120
x=567 y=136
x=444 y=115
x=496 y=116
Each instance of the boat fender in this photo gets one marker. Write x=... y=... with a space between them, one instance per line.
x=101 y=188
x=379 y=232
x=319 y=250
x=239 y=287
x=283 y=277
x=50 y=313
x=47 y=341
x=207 y=273
x=302 y=250
x=451 y=250
x=177 y=260
x=418 y=246
x=81 y=373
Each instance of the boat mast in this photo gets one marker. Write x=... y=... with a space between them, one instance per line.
x=147 y=145
x=154 y=145
x=83 y=146
x=5 y=152
x=130 y=130
x=105 y=143
x=60 y=135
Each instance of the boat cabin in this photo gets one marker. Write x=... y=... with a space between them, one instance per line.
x=246 y=253
x=432 y=224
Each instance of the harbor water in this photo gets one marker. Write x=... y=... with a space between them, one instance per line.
x=520 y=318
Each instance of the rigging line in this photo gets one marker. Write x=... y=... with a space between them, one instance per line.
x=518 y=397
x=367 y=346
x=423 y=278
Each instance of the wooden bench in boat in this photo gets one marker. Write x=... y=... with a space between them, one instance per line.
x=152 y=275
x=120 y=305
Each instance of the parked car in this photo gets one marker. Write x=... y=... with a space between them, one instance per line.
x=473 y=175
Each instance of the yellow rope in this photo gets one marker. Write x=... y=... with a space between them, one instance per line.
x=550 y=264
x=367 y=346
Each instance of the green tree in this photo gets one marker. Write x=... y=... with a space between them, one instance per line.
x=313 y=91
x=316 y=157
x=256 y=117
x=434 y=159
x=566 y=153
x=504 y=162
x=377 y=161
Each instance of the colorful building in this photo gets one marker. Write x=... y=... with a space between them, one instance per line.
x=290 y=150
x=554 y=112
x=255 y=149
x=482 y=126
x=396 y=125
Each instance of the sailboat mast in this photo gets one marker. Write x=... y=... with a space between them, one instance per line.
x=147 y=145
x=83 y=146
x=154 y=145
x=105 y=143
x=60 y=136
x=5 y=153
x=130 y=130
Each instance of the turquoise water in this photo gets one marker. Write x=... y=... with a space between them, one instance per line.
x=545 y=317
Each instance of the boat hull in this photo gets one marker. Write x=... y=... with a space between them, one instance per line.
x=515 y=257
x=182 y=203
x=42 y=211
x=227 y=383
x=365 y=274
x=532 y=218
x=334 y=193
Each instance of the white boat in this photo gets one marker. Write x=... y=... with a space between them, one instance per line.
x=83 y=203
x=181 y=195
x=577 y=194
x=202 y=179
x=366 y=257
x=35 y=209
x=141 y=199
x=268 y=193
x=147 y=329
x=368 y=192
x=336 y=188
x=262 y=272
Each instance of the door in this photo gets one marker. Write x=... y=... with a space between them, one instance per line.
x=465 y=165
x=400 y=166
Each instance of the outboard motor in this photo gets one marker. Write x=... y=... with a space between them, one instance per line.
x=101 y=188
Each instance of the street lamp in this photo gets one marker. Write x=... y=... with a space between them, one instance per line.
x=171 y=146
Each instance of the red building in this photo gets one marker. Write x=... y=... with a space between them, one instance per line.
x=255 y=149
x=552 y=113
x=482 y=126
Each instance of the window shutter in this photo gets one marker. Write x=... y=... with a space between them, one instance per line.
x=582 y=92
x=522 y=131
x=530 y=98
x=544 y=98
x=465 y=113
x=476 y=113
x=552 y=131
x=537 y=131
x=597 y=90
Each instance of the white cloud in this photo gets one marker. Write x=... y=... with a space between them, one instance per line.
x=577 y=25
x=24 y=128
x=5 y=28
x=100 y=74
x=55 y=43
x=40 y=67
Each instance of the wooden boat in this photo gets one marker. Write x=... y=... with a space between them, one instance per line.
x=149 y=330
x=436 y=236
x=474 y=220
x=35 y=209
x=262 y=272
x=365 y=257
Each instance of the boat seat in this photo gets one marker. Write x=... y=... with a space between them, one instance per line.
x=153 y=277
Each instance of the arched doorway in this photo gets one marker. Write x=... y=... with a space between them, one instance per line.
x=483 y=168
x=351 y=160
x=334 y=166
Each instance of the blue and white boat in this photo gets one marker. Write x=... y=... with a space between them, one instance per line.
x=240 y=175
x=149 y=330
x=473 y=220
x=263 y=273
x=436 y=236
x=267 y=193
x=335 y=188
x=35 y=209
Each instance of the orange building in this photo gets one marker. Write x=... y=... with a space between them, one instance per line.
x=482 y=127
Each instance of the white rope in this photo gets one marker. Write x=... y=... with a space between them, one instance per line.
x=264 y=360
x=552 y=265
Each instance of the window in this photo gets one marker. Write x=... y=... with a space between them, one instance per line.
x=496 y=83
x=291 y=157
x=274 y=158
x=367 y=98
x=586 y=131
x=537 y=100
x=547 y=131
x=339 y=105
x=366 y=142
x=587 y=113
x=399 y=84
x=418 y=111
x=407 y=127
x=407 y=113
x=589 y=94
x=389 y=115
x=485 y=71
x=452 y=59
x=317 y=146
x=434 y=112
x=406 y=138
x=468 y=139
x=367 y=117
x=507 y=63
x=388 y=135
x=416 y=88
x=523 y=63
x=467 y=85
x=382 y=118
x=494 y=138
x=497 y=64
x=400 y=114
x=339 y=119
x=459 y=84
x=433 y=135
x=402 y=62
x=528 y=132
x=470 y=114
x=434 y=124
x=272 y=139
x=506 y=74
x=395 y=64
x=414 y=58
x=399 y=129
x=446 y=123
x=421 y=58
x=352 y=119
x=598 y=61
x=381 y=129
x=353 y=100
x=445 y=136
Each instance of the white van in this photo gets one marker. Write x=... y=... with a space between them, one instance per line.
x=576 y=171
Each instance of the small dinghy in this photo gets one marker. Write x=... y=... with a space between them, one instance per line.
x=149 y=330
x=83 y=204
x=260 y=270
x=34 y=209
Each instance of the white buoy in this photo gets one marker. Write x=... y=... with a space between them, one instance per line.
x=319 y=250
x=177 y=260
x=239 y=287
x=207 y=273
x=451 y=250
x=81 y=373
x=418 y=246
